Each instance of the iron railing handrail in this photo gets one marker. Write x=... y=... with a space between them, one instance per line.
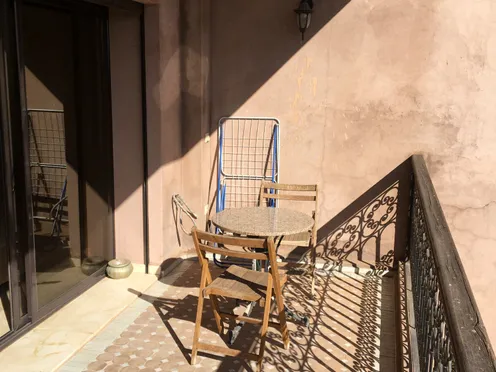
x=471 y=346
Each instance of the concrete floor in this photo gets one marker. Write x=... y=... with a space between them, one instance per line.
x=352 y=328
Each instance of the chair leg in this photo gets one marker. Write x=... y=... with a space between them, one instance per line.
x=282 y=319
x=314 y=265
x=215 y=307
x=265 y=323
x=199 y=312
x=312 y=290
x=196 y=335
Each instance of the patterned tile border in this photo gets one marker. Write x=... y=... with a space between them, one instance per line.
x=113 y=330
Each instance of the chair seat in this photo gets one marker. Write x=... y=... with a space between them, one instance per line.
x=240 y=283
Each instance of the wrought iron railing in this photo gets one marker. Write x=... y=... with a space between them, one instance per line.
x=448 y=332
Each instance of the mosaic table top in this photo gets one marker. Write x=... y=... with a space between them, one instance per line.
x=261 y=221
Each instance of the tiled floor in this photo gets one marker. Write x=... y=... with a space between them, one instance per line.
x=52 y=342
x=351 y=329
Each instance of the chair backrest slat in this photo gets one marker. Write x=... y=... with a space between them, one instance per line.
x=214 y=243
x=303 y=193
x=233 y=253
x=289 y=197
x=231 y=240
x=308 y=193
x=288 y=187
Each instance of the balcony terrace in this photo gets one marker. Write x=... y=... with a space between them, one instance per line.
x=375 y=308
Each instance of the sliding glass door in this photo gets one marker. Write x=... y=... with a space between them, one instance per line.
x=56 y=119
x=64 y=50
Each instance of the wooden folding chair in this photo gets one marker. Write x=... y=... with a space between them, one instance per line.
x=242 y=284
x=269 y=192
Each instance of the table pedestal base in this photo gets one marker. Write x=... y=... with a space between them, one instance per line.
x=290 y=314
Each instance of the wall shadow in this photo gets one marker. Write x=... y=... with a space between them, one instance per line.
x=226 y=52
x=248 y=47
x=229 y=50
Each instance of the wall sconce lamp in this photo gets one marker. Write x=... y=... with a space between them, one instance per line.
x=304 y=16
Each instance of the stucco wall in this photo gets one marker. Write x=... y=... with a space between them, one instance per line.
x=125 y=59
x=375 y=82
x=177 y=71
x=163 y=80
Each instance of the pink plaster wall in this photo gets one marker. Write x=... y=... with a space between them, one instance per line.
x=125 y=62
x=163 y=69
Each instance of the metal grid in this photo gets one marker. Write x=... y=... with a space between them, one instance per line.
x=47 y=152
x=47 y=156
x=248 y=154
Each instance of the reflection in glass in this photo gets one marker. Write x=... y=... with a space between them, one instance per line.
x=67 y=145
x=50 y=101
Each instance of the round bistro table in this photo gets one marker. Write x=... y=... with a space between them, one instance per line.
x=263 y=222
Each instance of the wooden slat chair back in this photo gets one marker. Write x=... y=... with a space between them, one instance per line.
x=298 y=193
x=295 y=192
x=301 y=193
x=239 y=283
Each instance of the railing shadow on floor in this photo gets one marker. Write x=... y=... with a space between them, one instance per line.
x=347 y=317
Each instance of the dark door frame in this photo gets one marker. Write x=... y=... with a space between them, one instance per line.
x=11 y=93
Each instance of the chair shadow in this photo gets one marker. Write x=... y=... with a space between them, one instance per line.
x=180 y=309
x=169 y=309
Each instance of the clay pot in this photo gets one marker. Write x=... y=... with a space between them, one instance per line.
x=92 y=264
x=119 y=268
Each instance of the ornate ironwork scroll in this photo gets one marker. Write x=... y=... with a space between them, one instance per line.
x=365 y=227
x=433 y=336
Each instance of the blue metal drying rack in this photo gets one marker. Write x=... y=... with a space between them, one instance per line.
x=248 y=154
